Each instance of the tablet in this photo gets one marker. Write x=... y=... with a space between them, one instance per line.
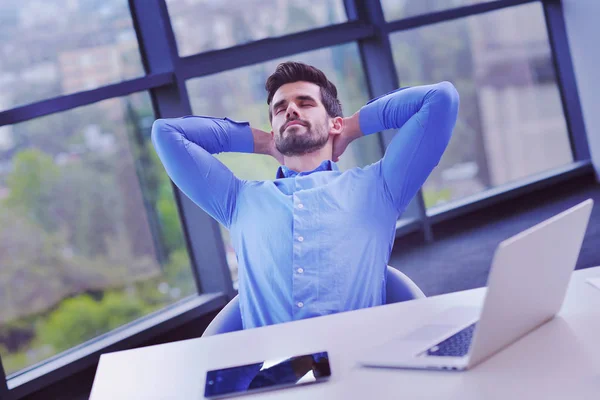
x=267 y=375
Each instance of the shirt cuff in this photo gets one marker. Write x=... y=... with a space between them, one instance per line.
x=241 y=138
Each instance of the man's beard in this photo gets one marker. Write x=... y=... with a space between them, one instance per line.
x=294 y=144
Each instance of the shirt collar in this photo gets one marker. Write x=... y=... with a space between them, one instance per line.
x=285 y=172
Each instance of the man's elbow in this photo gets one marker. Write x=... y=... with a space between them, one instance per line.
x=158 y=126
x=444 y=105
x=447 y=94
x=444 y=102
x=161 y=131
x=447 y=97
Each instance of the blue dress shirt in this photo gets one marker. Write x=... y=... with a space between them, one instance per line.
x=317 y=242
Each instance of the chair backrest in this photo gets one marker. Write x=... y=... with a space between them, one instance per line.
x=399 y=287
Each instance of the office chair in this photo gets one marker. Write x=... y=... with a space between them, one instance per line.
x=399 y=287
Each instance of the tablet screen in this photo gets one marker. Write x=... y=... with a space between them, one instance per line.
x=268 y=374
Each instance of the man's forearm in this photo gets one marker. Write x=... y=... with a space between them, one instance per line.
x=215 y=135
x=425 y=116
x=393 y=110
x=184 y=146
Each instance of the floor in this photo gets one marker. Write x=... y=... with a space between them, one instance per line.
x=460 y=260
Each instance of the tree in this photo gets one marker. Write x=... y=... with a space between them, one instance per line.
x=82 y=318
x=147 y=171
x=30 y=186
x=178 y=272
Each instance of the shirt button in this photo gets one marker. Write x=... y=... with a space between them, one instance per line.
x=300 y=205
x=300 y=270
x=300 y=239
x=300 y=304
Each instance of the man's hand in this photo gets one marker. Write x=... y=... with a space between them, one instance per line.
x=350 y=132
x=265 y=144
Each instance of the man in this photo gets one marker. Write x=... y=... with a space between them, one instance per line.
x=314 y=241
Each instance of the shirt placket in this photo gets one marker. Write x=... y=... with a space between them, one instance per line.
x=299 y=254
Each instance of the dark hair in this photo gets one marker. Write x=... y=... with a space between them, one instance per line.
x=290 y=72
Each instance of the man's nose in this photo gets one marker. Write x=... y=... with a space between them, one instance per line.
x=292 y=112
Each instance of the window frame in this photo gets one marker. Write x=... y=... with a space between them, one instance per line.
x=165 y=80
x=4 y=393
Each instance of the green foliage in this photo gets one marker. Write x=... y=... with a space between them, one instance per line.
x=13 y=361
x=30 y=275
x=435 y=197
x=69 y=228
x=95 y=209
x=82 y=318
x=178 y=272
x=170 y=226
x=30 y=184
x=77 y=320
x=250 y=166
x=80 y=198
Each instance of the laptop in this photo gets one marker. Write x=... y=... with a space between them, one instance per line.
x=527 y=284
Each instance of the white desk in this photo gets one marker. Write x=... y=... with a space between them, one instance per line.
x=560 y=360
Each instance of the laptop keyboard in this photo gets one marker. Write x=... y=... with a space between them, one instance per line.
x=456 y=345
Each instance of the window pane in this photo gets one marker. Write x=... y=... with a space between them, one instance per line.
x=89 y=232
x=240 y=94
x=397 y=9
x=51 y=48
x=202 y=25
x=511 y=123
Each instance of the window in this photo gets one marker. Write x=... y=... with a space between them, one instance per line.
x=397 y=9
x=89 y=231
x=511 y=123
x=202 y=25
x=51 y=48
x=240 y=94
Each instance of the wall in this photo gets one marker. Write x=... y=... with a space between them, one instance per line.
x=583 y=31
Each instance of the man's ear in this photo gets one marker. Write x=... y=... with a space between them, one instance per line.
x=336 y=126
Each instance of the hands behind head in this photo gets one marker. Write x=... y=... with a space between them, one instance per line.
x=276 y=154
x=264 y=142
x=351 y=131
